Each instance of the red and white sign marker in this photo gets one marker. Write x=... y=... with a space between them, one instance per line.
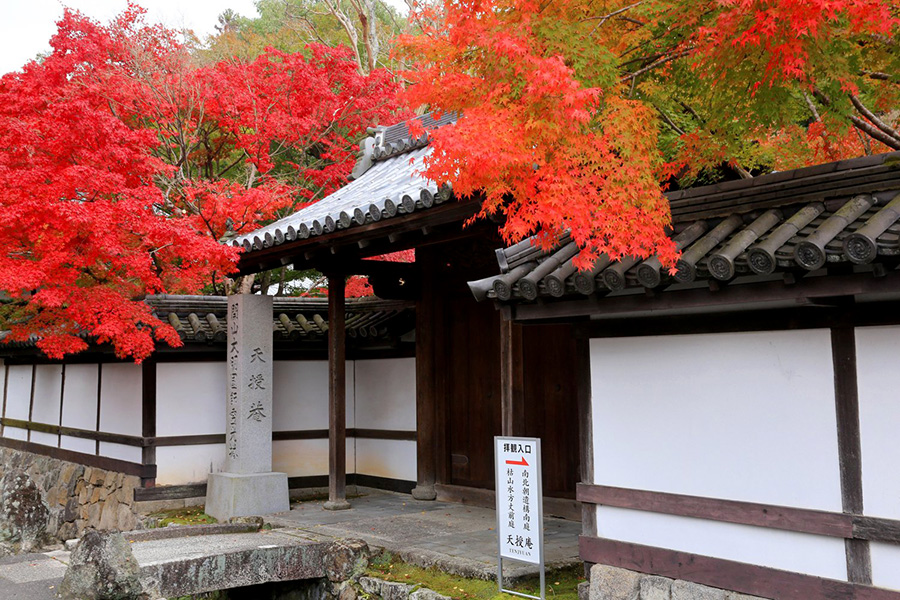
x=519 y=500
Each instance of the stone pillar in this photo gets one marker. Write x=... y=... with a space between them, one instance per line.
x=248 y=487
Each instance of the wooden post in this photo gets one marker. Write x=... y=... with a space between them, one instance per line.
x=512 y=379
x=337 y=396
x=585 y=436
x=425 y=385
x=148 y=416
x=846 y=395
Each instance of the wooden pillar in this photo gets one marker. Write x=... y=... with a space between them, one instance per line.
x=585 y=435
x=337 y=396
x=148 y=416
x=512 y=379
x=425 y=384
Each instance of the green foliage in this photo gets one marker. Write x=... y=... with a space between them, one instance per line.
x=562 y=584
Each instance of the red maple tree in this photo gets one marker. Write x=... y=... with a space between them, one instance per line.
x=123 y=161
x=575 y=114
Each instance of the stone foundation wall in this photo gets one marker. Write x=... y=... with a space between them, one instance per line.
x=612 y=583
x=45 y=500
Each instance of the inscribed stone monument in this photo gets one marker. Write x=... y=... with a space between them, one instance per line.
x=248 y=487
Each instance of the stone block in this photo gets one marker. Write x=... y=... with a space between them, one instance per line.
x=612 y=583
x=426 y=594
x=102 y=567
x=245 y=495
x=346 y=559
x=656 y=588
x=395 y=591
x=739 y=596
x=584 y=590
x=688 y=590
x=370 y=585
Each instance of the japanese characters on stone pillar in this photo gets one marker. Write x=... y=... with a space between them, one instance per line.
x=248 y=486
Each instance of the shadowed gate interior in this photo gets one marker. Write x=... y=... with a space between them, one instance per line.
x=466 y=365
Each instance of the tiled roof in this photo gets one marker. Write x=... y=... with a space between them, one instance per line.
x=204 y=318
x=295 y=320
x=385 y=184
x=859 y=230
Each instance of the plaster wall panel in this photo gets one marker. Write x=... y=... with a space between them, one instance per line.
x=740 y=416
x=190 y=398
x=80 y=406
x=181 y=465
x=301 y=458
x=386 y=394
x=879 y=419
x=14 y=433
x=798 y=552
x=395 y=459
x=885 y=565
x=47 y=394
x=120 y=399
x=18 y=392
x=120 y=451
x=300 y=390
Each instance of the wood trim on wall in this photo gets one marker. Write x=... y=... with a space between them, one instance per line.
x=799 y=520
x=5 y=391
x=198 y=490
x=90 y=460
x=725 y=574
x=846 y=398
x=99 y=397
x=585 y=430
x=31 y=398
x=198 y=439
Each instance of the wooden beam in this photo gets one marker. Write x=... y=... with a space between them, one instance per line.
x=512 y=379
x=337 y=396
x=426 y=390
x=734 y=296
x=90 y=460
x=714 y=509
x=724 y=574
x=846 y=397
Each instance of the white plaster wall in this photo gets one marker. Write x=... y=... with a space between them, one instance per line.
x=395 y=459
x=120 y=451
x=120 y=408
x=300 y=395
x=18 y=392
x=741 y=416
x=879 y=419
x=386 y=394
x=47 y=394
x=300 y=399
x=80 y=405
x=180 y=465
x=797 y=552
x=303 y=458
x=190 y=398
x=120 y=399
x=885 y=565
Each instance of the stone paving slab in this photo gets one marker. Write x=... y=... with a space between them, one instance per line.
x=454 y=537
x=32 y=576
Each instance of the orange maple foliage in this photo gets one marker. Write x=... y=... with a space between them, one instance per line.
x=575 y=114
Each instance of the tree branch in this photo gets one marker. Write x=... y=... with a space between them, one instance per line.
x=873 y=118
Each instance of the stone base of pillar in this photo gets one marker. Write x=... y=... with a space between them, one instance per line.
x=246 y=495
x=336 y=505
x=424 y=492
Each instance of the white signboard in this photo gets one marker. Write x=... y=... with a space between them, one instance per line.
x=519 y=506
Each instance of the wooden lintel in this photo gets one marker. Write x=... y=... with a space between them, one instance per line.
x=735 y=295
